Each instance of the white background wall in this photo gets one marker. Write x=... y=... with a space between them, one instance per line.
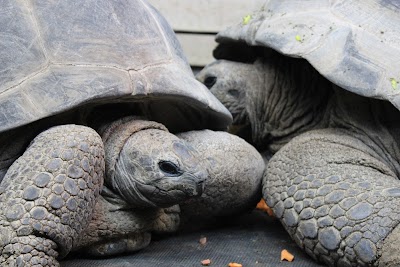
x=197 y=21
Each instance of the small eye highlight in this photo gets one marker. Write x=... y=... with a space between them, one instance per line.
x=169 y=168
x=210 y=81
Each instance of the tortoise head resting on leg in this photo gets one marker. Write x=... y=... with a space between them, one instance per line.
x=150 y=167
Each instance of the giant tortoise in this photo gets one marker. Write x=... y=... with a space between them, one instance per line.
x=70 y=73
x=317 y=85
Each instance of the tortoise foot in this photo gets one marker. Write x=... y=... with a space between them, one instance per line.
x=29 y=251
x=337 y=198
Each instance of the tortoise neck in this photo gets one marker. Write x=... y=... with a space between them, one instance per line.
x=293 y=99
x=373 y=121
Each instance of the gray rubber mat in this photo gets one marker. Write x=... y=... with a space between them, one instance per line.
x=252 y=240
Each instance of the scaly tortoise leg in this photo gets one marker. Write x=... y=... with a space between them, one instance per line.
x=48 y=195
x=338 y=199
x=118 y=228
x=113 y=232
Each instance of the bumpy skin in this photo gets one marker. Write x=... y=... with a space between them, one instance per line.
x=48 y=195
x=236 y=170
x=273 y=99
x=150 y=167
x=140 y=195
x=336 y=197
x=334 y=187
x=117 y=228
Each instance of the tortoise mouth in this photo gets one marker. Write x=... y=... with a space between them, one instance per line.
x=162 y=195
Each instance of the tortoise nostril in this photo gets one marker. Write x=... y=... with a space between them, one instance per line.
x=233 y=92
x=201 y=176
x=210 y=81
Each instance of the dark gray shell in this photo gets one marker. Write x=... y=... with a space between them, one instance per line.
x=57 y=55
x=354 y=44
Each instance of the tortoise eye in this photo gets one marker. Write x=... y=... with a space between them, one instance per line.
x=210 y=81
x=169 y=168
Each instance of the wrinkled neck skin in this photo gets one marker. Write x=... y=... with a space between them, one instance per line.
x=295 y=99
x=375 y=122
x=115 y=220
x=112 y=217
x=291 y=99
x=136 y=198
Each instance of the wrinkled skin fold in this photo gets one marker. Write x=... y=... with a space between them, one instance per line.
x=333 y=156
x=50 y=194
x=74 y=190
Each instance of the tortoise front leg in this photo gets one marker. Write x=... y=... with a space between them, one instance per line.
x=115 y=231
x=48 y=194
x=337 y=197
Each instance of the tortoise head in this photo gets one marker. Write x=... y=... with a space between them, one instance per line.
x=229 y=82
x=234 y=84
x=153 y=168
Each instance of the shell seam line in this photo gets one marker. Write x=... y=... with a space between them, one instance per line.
x=159 y=27
x=25 y=79
x=42 y=70
x=37 y=29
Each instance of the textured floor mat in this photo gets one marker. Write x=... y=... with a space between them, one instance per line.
x=253 y=240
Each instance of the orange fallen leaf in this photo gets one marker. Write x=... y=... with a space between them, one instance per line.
x=234 y=264
x=206 y=262
x=286 y=255
x=264 y=207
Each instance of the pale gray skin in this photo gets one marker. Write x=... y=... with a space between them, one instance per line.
x=50 y=201
x=333 y=180
x=234 y=185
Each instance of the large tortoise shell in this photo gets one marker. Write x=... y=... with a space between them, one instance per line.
x=58 y=55
x=354 y=44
